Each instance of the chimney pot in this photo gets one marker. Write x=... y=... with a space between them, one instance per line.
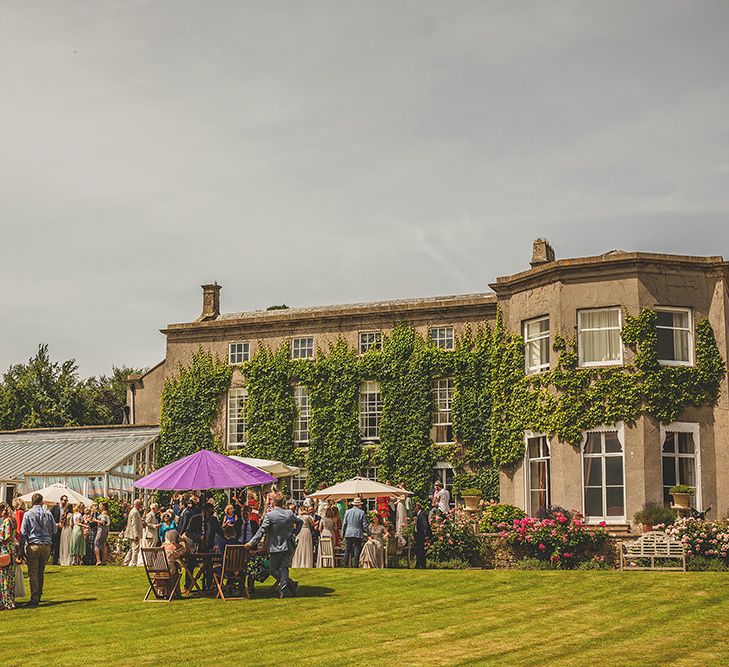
x=211 y=302
x=542 y=253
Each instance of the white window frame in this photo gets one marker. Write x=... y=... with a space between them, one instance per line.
x=528 y=435
x=447 y=342
x=303 y=414
x=244 y=353
x=233 y=393
x=299 y=480
x=365 y=346
x=440 y=469
x=694 y=429
x=370 y=469
x=367 y=389
x=620 y=429
x=580 y=346
x=436 y=391
x=532 y=370
x=297 y=347
x=690 y=331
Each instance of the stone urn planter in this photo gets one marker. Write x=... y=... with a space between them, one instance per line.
x=471 y=499
x=682 y=500
x=682 y=496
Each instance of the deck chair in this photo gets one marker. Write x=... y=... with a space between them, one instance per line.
x=157 y=568
x=326 y=552
x=234 y=568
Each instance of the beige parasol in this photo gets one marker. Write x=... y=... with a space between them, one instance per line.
x=359 y=487
x=53 y=493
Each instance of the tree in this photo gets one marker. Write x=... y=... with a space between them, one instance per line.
x=113 y=391
x=46 y=393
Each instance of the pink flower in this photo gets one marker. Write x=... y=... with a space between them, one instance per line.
x=542 y=547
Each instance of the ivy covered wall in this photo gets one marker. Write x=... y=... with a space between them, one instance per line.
x=494 y=401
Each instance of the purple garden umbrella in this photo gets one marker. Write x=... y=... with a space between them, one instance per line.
x=204 y=470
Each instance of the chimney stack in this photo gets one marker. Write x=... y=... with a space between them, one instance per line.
x=542 y=253
x=211 y=302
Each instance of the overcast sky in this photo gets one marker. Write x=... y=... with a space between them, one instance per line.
x=326 y=152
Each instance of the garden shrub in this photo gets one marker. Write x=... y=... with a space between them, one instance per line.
x=552 y=511
x=495 y=516
x=116 y=513
x=562 y=540
x=454 y=538
x=707 y=539
x=596 y=563
x=654 y=514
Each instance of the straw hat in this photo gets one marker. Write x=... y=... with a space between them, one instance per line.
x=357 y=501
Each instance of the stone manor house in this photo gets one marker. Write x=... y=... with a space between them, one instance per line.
x=617 y=468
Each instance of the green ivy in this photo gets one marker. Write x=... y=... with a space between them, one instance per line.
x=569 y=400
x=333 y=379
x=190 y=406
x=270 y=409
x=403 y=369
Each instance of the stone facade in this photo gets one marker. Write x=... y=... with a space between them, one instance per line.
x=555 y=289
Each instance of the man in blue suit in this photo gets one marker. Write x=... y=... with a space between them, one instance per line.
x=354 y=529
x=279 y=525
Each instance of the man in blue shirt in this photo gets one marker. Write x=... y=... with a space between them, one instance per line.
x=37 y=531
x=354 y=529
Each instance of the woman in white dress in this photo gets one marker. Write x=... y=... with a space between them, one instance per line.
x=401 y=513
x=66 y=521
x=373 y=552
x=304 y=554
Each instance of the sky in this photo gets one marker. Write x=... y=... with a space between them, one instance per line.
x=319 y=152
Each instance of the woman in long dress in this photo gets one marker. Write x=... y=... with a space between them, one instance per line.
x=373 y=552
x=304 y=554
x=66 y=521
x=401 y=514
x=8 y=544
x=78 y=541
x=328 y=527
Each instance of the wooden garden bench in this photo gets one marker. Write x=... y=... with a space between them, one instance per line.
x=651 y=546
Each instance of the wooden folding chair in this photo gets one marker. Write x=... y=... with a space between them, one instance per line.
x=157 y=567
x=326 y=552
x=234 y=567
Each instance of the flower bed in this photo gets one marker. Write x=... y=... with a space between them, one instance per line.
x=703 y=539
x=562 y=540
x=454 y=538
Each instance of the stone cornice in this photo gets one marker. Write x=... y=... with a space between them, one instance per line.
x=385 y=313
x=602 y=267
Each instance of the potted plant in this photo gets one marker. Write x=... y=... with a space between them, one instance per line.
x=682 y=496
x=471 y=498
x=654 y=514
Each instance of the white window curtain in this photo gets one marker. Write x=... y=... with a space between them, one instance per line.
x=599 y=336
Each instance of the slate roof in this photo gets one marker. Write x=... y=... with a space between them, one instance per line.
x=70 y=451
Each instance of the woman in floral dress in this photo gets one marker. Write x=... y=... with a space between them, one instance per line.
x=7 y=549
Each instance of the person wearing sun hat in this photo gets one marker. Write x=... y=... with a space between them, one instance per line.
x=354 y=529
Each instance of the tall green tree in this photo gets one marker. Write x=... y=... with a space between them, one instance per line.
x=47 y=393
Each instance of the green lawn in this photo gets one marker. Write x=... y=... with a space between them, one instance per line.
x=95 y=616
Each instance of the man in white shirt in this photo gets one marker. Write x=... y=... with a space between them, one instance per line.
x=441 y=497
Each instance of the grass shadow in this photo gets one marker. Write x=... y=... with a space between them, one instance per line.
x=302 y=592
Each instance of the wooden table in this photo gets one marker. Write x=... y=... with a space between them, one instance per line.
x=204 y=561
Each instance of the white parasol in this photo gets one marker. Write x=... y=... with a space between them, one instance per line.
x=275 y=468
x=359 y=486
x=53 y=493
